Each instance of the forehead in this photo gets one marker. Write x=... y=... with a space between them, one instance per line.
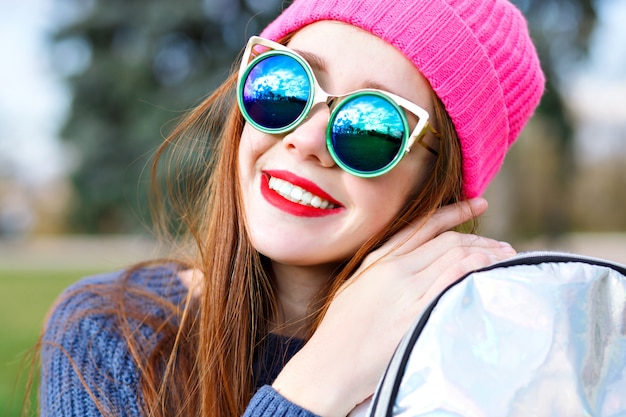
x=352 y=58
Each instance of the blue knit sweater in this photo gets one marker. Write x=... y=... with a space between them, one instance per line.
x=81 y=341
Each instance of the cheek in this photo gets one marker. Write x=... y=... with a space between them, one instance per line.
x=252 y=146
x=385 y=202
x=387 y=195
x=247 y=148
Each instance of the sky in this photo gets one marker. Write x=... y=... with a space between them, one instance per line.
x=598 y=94
x=34 y=103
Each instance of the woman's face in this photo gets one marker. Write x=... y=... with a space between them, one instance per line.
x=346 y=59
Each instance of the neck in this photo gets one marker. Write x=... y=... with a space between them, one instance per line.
x=297 y=288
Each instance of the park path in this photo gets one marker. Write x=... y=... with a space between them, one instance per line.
x=75 y=252
x=113 y=252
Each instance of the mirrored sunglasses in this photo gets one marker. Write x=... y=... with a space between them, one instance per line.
x=368 y=131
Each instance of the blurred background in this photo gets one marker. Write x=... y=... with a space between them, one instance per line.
x=88 y=88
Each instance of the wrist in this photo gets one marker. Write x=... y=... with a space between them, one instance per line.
x=322 y=387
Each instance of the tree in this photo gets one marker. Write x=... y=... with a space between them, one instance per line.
x=144 y=63
x=561 y=31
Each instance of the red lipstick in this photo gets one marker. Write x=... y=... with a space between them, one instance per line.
x=291 y=207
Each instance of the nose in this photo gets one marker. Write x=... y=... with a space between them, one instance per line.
x=308 y=140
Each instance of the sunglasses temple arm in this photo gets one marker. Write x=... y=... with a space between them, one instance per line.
x=421 y=141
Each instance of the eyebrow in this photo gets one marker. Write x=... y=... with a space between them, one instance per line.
x=314 y=60
x=317 y=63
x=375 y=85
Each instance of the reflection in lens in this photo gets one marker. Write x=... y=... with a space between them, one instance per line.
x=367 y=132
x=276 y=91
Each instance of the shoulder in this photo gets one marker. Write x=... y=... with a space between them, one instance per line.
x=100 y=300
x=161 y=280
x=106 y=291
x=85 y=352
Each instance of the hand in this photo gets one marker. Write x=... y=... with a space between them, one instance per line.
x=342 y=362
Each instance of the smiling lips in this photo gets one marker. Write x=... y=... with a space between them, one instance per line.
x=296 y=195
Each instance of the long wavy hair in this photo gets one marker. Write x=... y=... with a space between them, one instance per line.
x=237 y=301
x=202 y=363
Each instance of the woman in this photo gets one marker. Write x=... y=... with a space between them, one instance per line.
x=317 y=236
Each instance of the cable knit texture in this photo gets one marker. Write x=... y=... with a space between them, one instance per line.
x=476 y=54
x=83 y=345
x=268 y=402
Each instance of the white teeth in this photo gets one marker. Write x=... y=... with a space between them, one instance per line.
x=316 y=202
x=298 y=195
x=306 y=198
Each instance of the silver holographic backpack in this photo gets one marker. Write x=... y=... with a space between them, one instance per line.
x=542 y=334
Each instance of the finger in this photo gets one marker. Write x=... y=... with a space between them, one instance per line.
x=451 y=247
x=457 y=263
x=450 y=216
x=444 y=219
x=451 y=244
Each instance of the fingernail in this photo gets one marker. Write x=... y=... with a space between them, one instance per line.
x=478 y=203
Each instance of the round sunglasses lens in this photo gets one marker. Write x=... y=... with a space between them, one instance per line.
x=367 y=133
x=276 y=91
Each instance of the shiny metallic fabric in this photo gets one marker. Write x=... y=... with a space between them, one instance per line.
x=544 y=335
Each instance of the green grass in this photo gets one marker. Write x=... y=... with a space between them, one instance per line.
x=25 y=297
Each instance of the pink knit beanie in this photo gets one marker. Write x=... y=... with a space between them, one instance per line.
x=476 y=54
